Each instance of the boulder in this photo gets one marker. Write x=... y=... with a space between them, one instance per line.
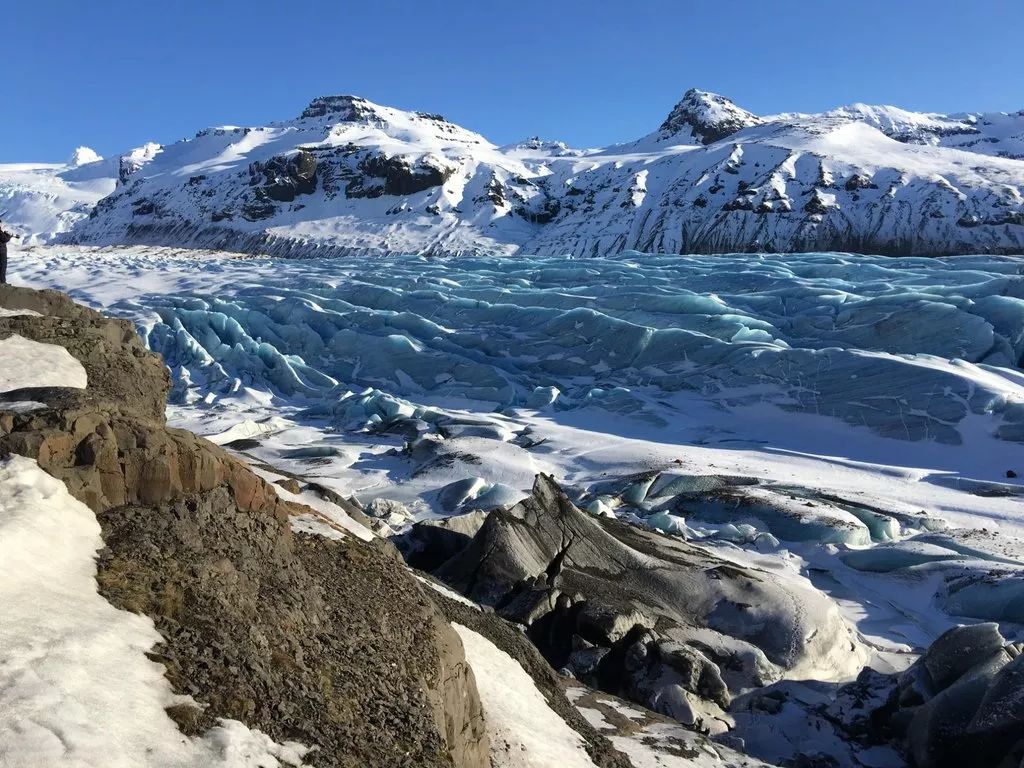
x=961 y=705
x=1001 y=711
x=959 y=650
x=937 y=734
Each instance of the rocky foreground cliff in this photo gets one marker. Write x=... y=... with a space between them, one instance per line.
x=328 y=643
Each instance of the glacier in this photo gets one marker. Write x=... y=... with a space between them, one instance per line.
x=849 y=425
x=915 y=349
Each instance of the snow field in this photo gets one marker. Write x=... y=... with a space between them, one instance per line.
x=525 y=732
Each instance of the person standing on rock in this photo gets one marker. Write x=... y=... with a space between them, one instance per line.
x=5 y=238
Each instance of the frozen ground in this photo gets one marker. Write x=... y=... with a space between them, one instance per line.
x=855 y=421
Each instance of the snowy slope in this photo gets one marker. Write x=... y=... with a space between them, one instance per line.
x=525 y=732
x=76 y=686
x=345 y=172
x=39 y=201
x=351 y=177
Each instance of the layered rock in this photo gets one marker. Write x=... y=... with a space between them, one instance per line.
x=642 y=615
x=325 y=642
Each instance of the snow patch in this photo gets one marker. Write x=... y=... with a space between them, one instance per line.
x=525 y=732
x=76 y=687
x=28 y=363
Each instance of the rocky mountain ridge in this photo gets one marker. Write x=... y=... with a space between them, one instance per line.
x=348 y=176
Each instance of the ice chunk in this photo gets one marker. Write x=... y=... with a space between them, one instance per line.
x=667 y=522
x=894 y=557
x=454 y=495
x=994 y=596
x=542 y=397
x=600 y=507
x=787 y=516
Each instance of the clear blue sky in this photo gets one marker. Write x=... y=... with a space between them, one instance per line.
x=113 y=74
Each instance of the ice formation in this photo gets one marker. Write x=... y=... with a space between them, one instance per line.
x=907 y=348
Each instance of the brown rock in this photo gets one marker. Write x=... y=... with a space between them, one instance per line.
x=330 y=643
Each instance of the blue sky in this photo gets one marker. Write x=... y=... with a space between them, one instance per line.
x=113 y=74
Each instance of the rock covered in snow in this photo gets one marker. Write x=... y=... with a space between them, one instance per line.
x=642 y=615
x=348 y=176
x=706 y=118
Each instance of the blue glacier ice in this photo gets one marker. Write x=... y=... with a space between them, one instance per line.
x=911 y=348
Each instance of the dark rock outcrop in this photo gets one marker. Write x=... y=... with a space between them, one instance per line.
x=961 y=705
x=285 y=177
x=327 y=642
x=344 y=107
x=706 y=117
x=402 y=176
x=635 y=613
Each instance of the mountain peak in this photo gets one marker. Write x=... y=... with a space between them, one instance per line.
x=83 y=156
x=342 y=107
x=706 y=117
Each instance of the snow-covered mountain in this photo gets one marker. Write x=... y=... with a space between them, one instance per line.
x=350 y=176
x=40 y=201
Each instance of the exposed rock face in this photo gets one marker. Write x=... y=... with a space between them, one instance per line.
x=285 y=178
x=430 y=544
x=325 y=642
x=403 y=176
x=643 y=615
x=343 y=107
x=962 y=704
x=706 y=117
x=321 y=669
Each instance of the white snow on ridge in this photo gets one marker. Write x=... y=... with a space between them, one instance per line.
x=83 y=156
x=27 y=363
x=76 y=687
x=39 y=201
x=525 y=732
